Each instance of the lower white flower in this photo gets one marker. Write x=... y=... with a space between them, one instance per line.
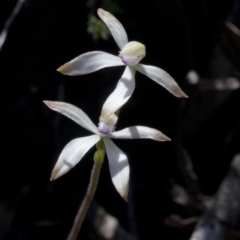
x=77 y=148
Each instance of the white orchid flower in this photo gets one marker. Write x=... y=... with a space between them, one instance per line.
x=130 y=55
x=73 y=152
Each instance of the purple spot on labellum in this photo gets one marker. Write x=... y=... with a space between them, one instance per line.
x=105 y=129
x=123 y=60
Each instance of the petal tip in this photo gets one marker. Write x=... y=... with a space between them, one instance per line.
x=164 y=139
x=124 y=194
x=104 y=15
x=125 y=198
x=100 y=12
x=168 y=139
x=179 y=93
x=184 y=95
x=159 y=136
x=63 y=69
x=52 y=177
x=48 y=103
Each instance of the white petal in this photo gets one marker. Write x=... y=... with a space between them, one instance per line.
x=74 y=113
x=119 y=168
x=161 y=77
x=90 y=62
x=72 y=154
x=140 y=132
x=116 y=28
x=120 y=95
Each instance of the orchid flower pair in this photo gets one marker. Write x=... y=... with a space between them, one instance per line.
x=130 y=55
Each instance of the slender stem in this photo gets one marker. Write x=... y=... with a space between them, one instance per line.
x=86 y=201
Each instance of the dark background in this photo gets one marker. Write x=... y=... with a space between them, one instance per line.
x=180 y=36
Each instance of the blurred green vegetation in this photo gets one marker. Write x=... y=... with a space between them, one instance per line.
x=95 y=26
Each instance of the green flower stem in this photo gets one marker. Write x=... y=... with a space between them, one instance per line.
x=98 y=161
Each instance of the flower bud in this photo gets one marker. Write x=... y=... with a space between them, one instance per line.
x=98 y=157
x=99 y=154
x=132 y=53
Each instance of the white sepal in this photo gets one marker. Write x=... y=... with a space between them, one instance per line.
x=74 y=113
x=116 y=28
x=72 y=153
x=120 y=95
x=119 y=167
x=161 y=77
x=140 y=132
x=90 y=62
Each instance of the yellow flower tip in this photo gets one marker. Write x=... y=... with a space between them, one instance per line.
x=54 y=175
x=133 y=48
x=52 y=178
x=64 y=68
x=125 y=194
x=132 y=53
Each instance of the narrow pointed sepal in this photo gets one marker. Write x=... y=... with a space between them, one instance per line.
x=161 y=77
x=72 y=154
x=119 y=167
x=74 y=113
x=89 y=62
x=120 y=95
x=140 y=132
x=116 y=28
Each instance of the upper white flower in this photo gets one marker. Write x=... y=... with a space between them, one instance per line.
x=73 y=152
x=130 y=55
